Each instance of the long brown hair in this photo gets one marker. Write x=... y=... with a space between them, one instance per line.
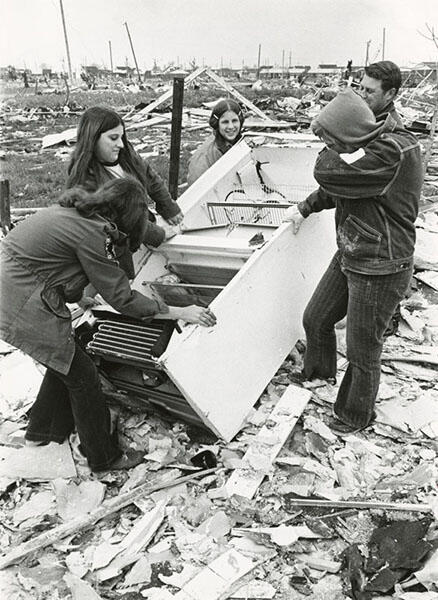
x=121 y=201
x=84 y=168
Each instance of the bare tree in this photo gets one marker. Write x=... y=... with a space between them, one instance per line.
x=431 y=36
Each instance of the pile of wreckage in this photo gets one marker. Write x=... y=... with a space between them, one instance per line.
x=277 y=507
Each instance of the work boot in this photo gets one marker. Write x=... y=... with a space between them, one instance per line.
x=128 y=460
x=340 y=428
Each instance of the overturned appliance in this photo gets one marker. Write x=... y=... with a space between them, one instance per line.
x=237 y=257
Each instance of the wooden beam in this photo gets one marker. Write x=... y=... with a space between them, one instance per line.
x=268 y=442
x=236 y=94
x=108 y=508
x=166 y=96
x=367 y=505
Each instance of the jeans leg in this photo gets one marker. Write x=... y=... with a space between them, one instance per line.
x=91 y=415
x=51 y=418
x=327 y=306
x=75 y=399
x=371 y=304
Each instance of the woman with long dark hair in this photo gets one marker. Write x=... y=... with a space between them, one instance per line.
x=103 y=152
x=226 y=120
x=47 y=260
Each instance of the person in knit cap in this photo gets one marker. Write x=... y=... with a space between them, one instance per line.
x=371 y=174
x=346 y=123
x=226 y=120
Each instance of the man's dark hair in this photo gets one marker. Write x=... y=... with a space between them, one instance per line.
x=387 y=72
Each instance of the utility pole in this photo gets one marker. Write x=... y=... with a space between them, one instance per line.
x=133 y=53
x=282 y=64
x=383 y=43
x=290 y=58
x=66 y=41
x=258 y=61
x=367 y=52
x=111 y=56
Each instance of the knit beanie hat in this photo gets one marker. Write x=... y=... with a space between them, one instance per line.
x=221 y=107
x=349 y=119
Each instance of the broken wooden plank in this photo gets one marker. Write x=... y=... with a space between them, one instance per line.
x=432 y=359
x=108 y=508
x=166 y=96
x=268 y=442
x=52 y=139
x=128 y=550
x=367 y=505
x=149 y=122
x=322 y=564
x=221 y=81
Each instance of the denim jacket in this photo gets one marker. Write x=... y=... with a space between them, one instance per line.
x=375 y=191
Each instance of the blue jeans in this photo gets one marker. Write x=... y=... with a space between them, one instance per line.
x=75 y=399
x=369 y=302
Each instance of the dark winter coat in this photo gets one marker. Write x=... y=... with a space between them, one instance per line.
x=47 y=260
x=157 y=194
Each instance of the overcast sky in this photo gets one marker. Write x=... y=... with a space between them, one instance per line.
x=309 y=31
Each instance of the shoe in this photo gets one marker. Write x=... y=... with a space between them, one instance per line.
x=128 y=460
x=33 y=444
x=341 y=428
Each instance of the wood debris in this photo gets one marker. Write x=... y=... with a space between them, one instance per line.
x=288 y=500
x=261 y=453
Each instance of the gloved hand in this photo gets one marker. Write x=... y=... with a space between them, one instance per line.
x=293 y=215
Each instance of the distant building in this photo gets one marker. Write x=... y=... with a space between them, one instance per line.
x=124 y=71
x=171 y=73
x=270 y=72
x=248 y=73
x=226 y=72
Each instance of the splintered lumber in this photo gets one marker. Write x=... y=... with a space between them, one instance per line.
x=419 y=354
x=413 y=358
x=128 y=550
x=237 y=94
x=167 y=95
x=322 y=564
x=268 y=443
x=75 y=525
x=52 y=139
x=367 y=505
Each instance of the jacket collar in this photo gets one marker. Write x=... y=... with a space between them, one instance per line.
x=117 y=236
